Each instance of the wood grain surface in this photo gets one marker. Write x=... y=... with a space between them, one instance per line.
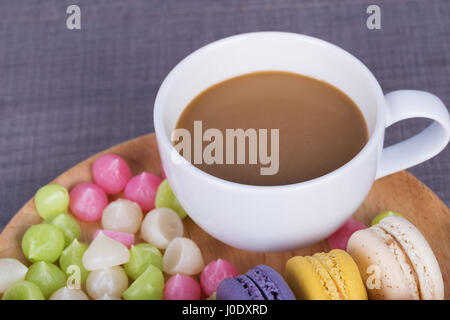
x=400 y=192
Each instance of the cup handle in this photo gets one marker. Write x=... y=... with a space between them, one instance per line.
x=406 y=104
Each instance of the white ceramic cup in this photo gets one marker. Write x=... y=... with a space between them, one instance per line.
x=275 y=218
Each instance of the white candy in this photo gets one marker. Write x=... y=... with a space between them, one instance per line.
x=105 y=252
x=11 y=271
x=160 y=226
x=107 y=284
x=183 y=256
x=69 y=294
x=122 y=215
x=108 y=297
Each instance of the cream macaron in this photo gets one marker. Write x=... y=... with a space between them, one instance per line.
x=396 y=262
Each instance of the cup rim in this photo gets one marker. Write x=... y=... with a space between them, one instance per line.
x=165 y=140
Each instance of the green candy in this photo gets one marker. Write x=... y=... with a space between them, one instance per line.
x=73 y=255
x=47 y=276
x=43 y=242
x=165 y=198
x=68 y=225
x=23 y=290
x=383 y=215
x=141 y=256
x=149 y=286
x=212 y=297
x=51 y=199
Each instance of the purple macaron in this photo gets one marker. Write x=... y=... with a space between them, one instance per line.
x=259 y=283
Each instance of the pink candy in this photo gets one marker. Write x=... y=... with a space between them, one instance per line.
x=214 y=273
x=142 y=190
x=182 y=287
x=111 y=172
x=163 y=173
x=126 y=239
x=87 y=201
x=339 y=239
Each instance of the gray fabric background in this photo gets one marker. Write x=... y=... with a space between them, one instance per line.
x=65 y=95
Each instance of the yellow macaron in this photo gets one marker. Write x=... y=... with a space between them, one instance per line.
x=325 y=276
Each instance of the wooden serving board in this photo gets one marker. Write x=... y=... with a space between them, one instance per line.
x=400 y=192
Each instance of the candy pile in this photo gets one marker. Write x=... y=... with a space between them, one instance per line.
x=114 y=265
x=140 y=253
